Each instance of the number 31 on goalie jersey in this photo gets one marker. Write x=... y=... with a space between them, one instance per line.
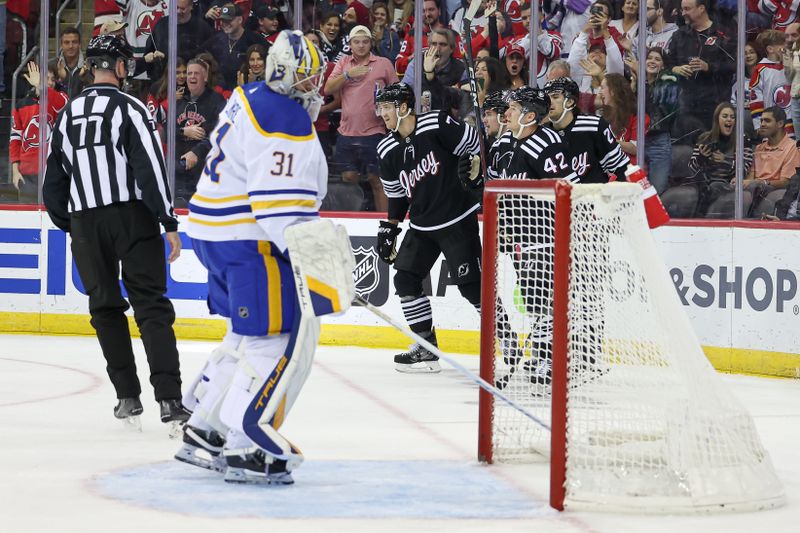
x=283 y=161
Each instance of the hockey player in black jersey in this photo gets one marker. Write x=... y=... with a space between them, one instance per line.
x=594 y=153
x=418 y=164
x=494 y=124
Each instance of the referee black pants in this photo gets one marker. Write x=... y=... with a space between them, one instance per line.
x=128 y=233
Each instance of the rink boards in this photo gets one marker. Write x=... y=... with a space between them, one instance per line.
x=737 y=281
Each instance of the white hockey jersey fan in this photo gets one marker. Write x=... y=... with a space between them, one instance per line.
x=266 y=170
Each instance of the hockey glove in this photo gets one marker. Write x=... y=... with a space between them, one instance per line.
x=469 y=171
x=387 y=241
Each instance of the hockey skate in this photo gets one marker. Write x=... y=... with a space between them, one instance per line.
x=175 y=415
x=418 y=360
x=129 y=411
x=252 y=468
x=202 y=448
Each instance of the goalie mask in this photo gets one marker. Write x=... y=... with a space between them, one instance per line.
x=295 y=68
x=397 y=93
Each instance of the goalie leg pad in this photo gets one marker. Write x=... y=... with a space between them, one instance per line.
x=266 y=385
x=229 y=349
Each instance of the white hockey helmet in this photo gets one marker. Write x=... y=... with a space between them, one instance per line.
x=296 y=68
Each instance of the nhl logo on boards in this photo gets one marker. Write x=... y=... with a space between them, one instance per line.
x=366 y=274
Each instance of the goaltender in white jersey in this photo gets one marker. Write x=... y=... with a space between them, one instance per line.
x=265 y=172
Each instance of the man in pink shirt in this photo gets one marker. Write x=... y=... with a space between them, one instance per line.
x=358 y=77
x=776 y=160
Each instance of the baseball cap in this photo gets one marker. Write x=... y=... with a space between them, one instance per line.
x=360 y=30
x=515 y=49
x=266 y=12
x=114 y=23
x=230 y=12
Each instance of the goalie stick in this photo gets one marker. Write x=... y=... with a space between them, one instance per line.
x=473 y=85
x=482 y=383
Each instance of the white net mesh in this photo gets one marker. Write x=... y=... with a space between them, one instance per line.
x=649 y=423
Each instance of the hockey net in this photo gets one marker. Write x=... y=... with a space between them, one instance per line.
x=639 y=418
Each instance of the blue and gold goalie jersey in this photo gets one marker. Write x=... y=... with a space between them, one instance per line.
x=266 y=170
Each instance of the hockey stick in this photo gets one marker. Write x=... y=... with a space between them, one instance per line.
x=488 y=387
x=473 y=84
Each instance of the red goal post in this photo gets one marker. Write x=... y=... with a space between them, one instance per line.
x=638 y=418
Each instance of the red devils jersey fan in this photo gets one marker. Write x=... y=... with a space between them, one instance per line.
x=419 y=171
x=592 y=149
x=27 y=133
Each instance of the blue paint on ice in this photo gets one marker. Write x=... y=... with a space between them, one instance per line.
x=328 y=489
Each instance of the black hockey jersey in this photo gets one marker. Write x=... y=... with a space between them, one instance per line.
x=541 y=155
x=420 y=173
x=593 y=150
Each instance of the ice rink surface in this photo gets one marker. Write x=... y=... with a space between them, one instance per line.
x=384 y=452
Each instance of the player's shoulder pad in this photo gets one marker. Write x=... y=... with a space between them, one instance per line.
x=273 y=114
x=589 y=123
x=386 y=145
x=430 y=121
x=540 y=141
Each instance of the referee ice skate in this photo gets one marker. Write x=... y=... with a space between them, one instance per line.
x=419 y=162
x=105 y=184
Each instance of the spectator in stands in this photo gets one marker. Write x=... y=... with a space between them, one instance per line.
x=768 y=85
x=497 y=33
x=229 y=46
x=402 y=16
x=268 y=23
x=357 y=77
x=558 y=69
x=214 y=77
x=516 y=65
x=141 y=17
x=156 y=99
x=431 y=18
x=490 y=76
x=659 y=31
x=69 y=62
x=26 y=136
x=568 y=17
x=709 y=192
x=387 y=42
x=702 y=57
x=791 y=67
x=549 y=44
x=252 y=68
x=330 y=40
x=440 y=68
x=594 y=48
x=628 y=25
x=661 y=106
x=776 y=160
x=3 y=21
x=196 y=115
x=356 y=14
x=192 y=32
x=618 y=107
x=787 y=207
x=212 y=10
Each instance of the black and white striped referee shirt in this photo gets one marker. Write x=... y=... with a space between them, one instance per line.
x=105 y=150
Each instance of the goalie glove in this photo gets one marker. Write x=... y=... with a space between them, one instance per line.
x=387 y=241
x=469 y=171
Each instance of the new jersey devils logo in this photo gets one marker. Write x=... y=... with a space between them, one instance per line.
x=31 y=135
x=782 y=96
x=146 y=21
